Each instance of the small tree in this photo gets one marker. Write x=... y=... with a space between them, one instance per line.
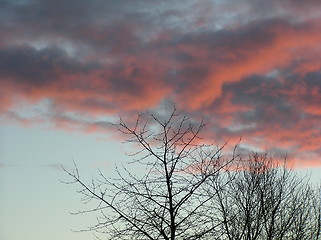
x=171 y=200
x=266 y=201
x=189 y=191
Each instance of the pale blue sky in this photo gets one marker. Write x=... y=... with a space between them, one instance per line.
x=252 y=68
x=34 y=203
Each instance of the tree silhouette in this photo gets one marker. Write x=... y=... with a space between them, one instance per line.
x=189 y=190
x=171 y=199
x=267 y=201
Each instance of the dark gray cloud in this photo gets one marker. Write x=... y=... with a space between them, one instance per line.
x=38 y=67
x=252 y=67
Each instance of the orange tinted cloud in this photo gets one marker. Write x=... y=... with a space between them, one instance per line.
x=277 y=48
x=254 y=73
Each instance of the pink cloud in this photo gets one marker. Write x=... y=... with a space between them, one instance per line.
x=254 y=76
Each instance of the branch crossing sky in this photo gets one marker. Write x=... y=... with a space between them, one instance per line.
x=251 y=67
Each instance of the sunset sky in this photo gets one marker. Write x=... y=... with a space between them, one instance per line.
x=252 y=68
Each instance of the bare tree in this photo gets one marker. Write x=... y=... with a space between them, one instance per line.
x=189 y=191
x=171 y=199
x=267 y=201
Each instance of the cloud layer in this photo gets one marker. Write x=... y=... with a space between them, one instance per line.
x=252 y=67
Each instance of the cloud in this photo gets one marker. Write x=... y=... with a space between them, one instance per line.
x=53 y=166
x=254 y=73
x=2 y=165
x=29 y=66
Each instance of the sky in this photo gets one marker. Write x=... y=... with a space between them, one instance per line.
x=252 y=68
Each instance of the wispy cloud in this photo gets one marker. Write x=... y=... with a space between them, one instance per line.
x=254 y=72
